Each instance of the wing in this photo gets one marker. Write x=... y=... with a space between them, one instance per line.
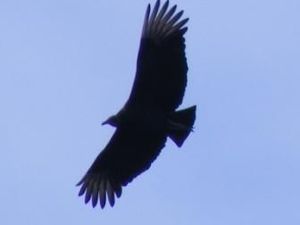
x=161 y=65
x=128 y=154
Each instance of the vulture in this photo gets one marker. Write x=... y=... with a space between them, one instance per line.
x=149 y=116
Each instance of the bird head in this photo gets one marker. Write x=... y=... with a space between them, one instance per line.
x=112 y=120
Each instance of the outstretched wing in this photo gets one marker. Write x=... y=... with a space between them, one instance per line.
x=129 y=153
x=161 y=65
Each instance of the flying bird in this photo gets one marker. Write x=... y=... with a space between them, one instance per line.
x=149 y=116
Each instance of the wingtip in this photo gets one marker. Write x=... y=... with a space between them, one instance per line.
x=82 y=189
x=102 y=193
x=80 y=182
x=110 y=193
x=94 y=199
x=162 y=22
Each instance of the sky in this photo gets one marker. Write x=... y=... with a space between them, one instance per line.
x=65 y=66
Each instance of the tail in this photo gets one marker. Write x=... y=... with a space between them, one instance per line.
x=180 y=124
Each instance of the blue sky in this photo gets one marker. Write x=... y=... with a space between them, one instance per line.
x=65 y=66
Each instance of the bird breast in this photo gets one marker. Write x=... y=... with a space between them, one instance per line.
x=152 y=121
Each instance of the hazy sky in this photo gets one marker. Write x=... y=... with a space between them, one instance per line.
x=65 y=66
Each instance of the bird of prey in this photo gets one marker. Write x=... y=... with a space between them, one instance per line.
x=149 y=116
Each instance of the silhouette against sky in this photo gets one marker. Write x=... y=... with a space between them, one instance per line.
x=65 y=66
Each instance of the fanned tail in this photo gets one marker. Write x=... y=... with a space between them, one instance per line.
x=180 y=124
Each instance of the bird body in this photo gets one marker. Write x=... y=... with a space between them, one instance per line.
x=149 y=116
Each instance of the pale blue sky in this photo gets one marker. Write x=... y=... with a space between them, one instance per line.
x=67 y=65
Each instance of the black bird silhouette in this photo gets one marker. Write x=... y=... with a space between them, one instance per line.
x=149 y=116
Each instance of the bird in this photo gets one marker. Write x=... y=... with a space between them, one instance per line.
x=150 y=116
